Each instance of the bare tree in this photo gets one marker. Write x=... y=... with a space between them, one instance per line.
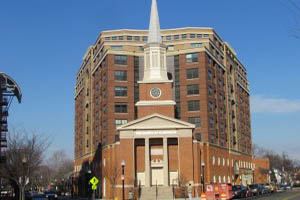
x=112 y=172
x=59 y=166
x=24 y=155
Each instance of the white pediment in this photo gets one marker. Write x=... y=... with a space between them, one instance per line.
x=156 y=121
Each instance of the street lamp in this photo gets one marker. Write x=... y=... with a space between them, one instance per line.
x=123 y=166
x=253 y=170
x=203 y=165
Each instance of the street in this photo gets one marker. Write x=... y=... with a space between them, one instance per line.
x=288 y=195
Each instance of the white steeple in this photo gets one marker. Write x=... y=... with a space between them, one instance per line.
x=155 y=52
x=154 y=27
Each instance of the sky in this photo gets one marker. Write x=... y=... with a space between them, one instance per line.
x=42 y=43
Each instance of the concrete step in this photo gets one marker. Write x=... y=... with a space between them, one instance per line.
x=163 y=193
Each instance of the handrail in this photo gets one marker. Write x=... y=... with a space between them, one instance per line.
x=156 y=190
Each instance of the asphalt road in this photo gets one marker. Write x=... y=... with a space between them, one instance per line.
x=287 y=195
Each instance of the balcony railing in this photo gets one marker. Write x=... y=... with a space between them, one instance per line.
x=4 y=128
x=4 y=102
x=5 y=113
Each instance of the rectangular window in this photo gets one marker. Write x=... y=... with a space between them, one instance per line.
x=120 y=91
x=168 y=37
x=192 y=35
x=193 y=57
x=211 y=122
x=104 y=108
x=208 y=60
x=129 y=37
x=137 y=38
x=145 y=38
x=220 y=83
x=121 y=107
x=114 y=38
x=107 y=38
x=205 y=35
x=192 y=73
x=121 y=75
x=120 y=60
x=116 y=47
x=193 y=105
x=121 y=38
x=211 y=107
x=199 y=35
x=196 y=45
x=210 y=91
x=192 y=89
x=176 y=37
x=184 y=36
x=209 y=75
x=195 y=120
x=119 y=122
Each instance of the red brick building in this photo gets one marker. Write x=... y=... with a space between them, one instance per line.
x=164 y=101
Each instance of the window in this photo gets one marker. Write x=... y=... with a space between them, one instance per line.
x=228 y=179
x=205 y=35
x=168 y=37
x=219 y=161
x=209 y=75
x=117 y=47
x=220 y=98
x=213 y=160
x=114 y=38
x=121 y=38
x=183 y=36
x=119 y=122
x=192 y=73
x=190 y=58
x=129 y=37
x=192 y=35
x=107 y=38
x=211 y=122
x=199 y=35
x=104 y=108
x=193 y=105
x=120 y=91
x=215 y=179
x=120 y=60
x=223 y=163
x=195 y=120
x=220 y=83
x=137 y=38
x=121 y=107
x=211 y=107
x=210 y=91
x=220 y=181
x=121 y=75
x=192 y=89
x=224 y=179
x=208 y=60
x=176 y=37
x=145 y=38
x=196 y=45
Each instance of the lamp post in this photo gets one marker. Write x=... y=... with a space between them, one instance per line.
x=202 y=180
x=123 y=179
x=23 y=180
x=253 y=170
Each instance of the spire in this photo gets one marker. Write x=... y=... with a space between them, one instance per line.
x=154 y=27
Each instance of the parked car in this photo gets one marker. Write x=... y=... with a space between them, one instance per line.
x=256 y=189
x=51 y=195
x=271 y=187
x=37 y=196
x=239 y=191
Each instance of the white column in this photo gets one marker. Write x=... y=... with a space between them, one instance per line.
x=147 y=163
x=166 y=166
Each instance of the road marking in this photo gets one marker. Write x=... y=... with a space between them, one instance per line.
x=290 y=197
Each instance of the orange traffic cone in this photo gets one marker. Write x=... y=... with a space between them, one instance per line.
x=203 y=196
x=223 y=196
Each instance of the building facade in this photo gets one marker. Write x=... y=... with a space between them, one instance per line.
x=202 y=98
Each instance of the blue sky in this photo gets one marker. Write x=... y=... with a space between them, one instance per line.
x=42 y=43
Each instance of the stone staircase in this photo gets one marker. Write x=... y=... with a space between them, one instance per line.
x=163 y=193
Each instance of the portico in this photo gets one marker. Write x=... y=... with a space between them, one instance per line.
x=157 y=149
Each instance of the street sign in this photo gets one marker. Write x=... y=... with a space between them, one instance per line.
x=94 y=181
x=94 y=187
